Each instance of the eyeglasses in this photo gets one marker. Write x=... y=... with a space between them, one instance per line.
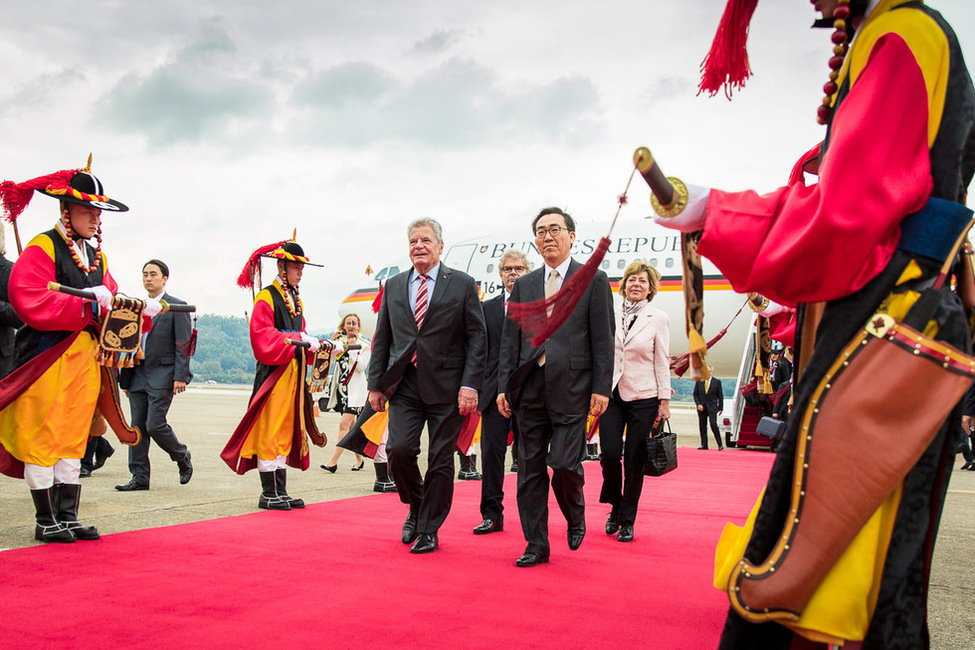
x=555 y=231
x=513 y=269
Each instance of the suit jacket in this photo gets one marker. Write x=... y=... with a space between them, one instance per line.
x=164 y=362
x=642 y=365
x=714 y=400
x=494 y=322
x=450 y=347
x=578 y=356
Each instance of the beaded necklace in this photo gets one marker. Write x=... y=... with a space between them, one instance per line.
x=68 y=237
x=841 y=45
x=287 y=298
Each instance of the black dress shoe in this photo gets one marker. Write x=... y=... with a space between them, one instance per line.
x=425 y=543
x=356 y=468
x=409 y=528
x=185 y=468
x=100 y=458
x=489 y=526
x=85 y=472
x=612 y=524
x=702 y=448
x=966 y=466
x=330 y=468
x=531 y=559
x=575 y=535
x=132 y=486
x=625 y=534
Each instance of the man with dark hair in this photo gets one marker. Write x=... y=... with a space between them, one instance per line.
x=709 y=400
x=151 y=385
x=553 y=387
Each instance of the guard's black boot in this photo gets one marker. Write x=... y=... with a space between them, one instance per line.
x=383 y=482
x=270 y=500
x=66 y=500
x=592 y=451
x=281 y=480
x=48 y=529
x=468 y=470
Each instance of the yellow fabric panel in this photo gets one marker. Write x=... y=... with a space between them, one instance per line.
x=898 y=304
x=375 y=427
x=273 y=431
x=926 y=40
x=265 y=296
x=843 y=605
x=51 y=419
x=44 y=242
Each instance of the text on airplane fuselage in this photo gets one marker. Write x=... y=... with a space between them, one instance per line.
x=624 y=245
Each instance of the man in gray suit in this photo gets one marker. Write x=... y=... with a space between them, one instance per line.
x=428 y=361
x=151 y=385
x=553 y=387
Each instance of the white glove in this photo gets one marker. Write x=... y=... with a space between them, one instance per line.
x=773 y=309
x=312 y=342
x=694 y=213
x=103 y=296
x=151 y=307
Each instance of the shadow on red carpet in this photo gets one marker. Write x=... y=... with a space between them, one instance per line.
x=336 y=575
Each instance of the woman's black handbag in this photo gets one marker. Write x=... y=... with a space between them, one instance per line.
x=661 y=450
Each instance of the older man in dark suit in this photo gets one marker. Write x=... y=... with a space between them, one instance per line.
x=553 y=387
x=495 y=427
x=428 y=361
x=151 y=385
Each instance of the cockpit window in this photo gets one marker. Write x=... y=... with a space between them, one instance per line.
x=386 y=273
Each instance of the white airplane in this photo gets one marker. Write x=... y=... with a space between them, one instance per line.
x=630 y=241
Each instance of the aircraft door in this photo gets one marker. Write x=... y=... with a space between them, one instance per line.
x=459 y=257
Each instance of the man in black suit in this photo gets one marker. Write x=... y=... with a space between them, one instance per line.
x=494 y=426
x=151 y=385
x=428 y=361
x=709 y=400
x=553 y=387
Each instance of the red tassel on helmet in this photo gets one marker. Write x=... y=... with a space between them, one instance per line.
x=251 y=272
x=726 y=64
x=532 y=315
x=16 y=196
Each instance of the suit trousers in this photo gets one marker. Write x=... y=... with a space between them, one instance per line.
x=548 y=439
x=149 y=409
x=494 y=446
x=429 y=496
x=703 y=419
x=623 y=482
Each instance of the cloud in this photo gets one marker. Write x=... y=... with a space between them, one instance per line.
x=455 y=105
x=40 y=90
x=438 y=42
x=204 y=93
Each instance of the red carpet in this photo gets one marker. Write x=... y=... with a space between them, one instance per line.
x=336 y=575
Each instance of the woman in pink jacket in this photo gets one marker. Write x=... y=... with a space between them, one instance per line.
x=641 y=396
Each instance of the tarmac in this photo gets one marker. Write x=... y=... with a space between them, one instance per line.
x=205 y=416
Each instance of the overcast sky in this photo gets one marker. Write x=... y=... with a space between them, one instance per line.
x=226 y=124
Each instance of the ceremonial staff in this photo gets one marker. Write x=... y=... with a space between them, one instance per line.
x=669 y=199
x=88 y=295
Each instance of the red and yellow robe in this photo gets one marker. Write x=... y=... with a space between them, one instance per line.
x=48 y=401
x=277 y=421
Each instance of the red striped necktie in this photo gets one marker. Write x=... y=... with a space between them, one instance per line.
x=421 y=306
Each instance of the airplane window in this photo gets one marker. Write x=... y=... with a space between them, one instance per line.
x=490 y=268
x=621 y=264
x=669 y=262
x=653 y=262
x=605 y=264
